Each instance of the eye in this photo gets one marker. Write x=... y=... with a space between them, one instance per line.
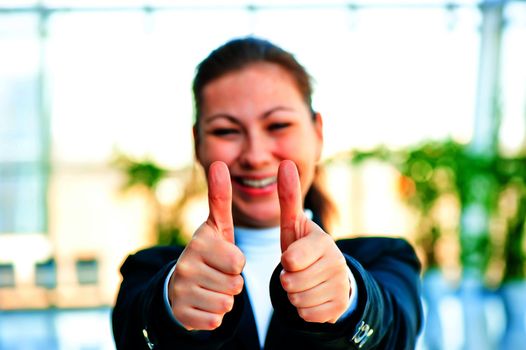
x=224 y=131
x=278 y=126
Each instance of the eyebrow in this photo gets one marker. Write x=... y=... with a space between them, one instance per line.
x=233 y=119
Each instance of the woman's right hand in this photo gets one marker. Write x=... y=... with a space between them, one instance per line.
x=207 y=275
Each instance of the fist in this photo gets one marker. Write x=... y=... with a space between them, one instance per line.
x=207 y=275
x=315 y=274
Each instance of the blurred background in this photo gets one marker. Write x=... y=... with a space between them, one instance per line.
x=424 y=106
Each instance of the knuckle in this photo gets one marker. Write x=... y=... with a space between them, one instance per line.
x=306 y=314
x=287 y=282
x=213 y=322
x=181 y=316
x=183 y=269
x=217 y=198
x=227 y=304
x=237 y=283
x=196 y=244
x=294 y=298
x=178 y=291
x=289 y=261
x=236 y=261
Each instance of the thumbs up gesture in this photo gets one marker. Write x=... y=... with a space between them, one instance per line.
x=207 y=275
x=315 y=274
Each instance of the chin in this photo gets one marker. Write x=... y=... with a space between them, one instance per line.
x=256 y=217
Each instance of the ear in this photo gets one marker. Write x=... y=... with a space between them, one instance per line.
x=318 y=130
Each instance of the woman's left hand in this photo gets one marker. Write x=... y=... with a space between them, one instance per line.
x=315 y=273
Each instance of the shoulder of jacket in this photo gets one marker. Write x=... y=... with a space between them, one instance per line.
x=152 y=257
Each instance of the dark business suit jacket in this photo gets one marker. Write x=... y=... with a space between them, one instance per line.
x=388 y=314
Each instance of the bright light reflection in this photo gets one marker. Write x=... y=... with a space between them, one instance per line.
x=379 y=81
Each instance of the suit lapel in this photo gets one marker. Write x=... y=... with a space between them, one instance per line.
x=247 y=332
x=271 y=332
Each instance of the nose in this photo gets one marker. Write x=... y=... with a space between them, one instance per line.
x=256 y=152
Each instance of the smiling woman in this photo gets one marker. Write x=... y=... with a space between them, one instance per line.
x=261 y=272
x=80 y=79
x=252 y=119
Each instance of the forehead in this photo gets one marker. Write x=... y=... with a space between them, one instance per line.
x=258 y=82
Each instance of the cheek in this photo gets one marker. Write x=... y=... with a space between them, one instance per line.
x=301 y=153
x=210 y=151
x=288 y=147
x=302 y=146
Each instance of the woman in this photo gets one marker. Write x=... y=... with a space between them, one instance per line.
x=261 y=272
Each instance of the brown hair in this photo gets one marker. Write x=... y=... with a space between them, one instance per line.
x=239 y=53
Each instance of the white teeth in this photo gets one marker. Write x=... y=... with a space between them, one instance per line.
x=260 y=183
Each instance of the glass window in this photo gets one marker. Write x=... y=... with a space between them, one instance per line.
x=18 y=3
x=22 y=131
x=393 y=75
x=513 y=79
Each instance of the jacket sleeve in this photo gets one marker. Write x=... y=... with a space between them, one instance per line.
x=140 y=319
x=389 y=311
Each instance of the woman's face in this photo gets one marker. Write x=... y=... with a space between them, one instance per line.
x=252 y=119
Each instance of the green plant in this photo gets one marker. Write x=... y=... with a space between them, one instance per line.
x=435 y=169
x=144 y=172
x=515 y=241
x=168 y=217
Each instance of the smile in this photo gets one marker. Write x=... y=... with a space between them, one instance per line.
x=257 y=183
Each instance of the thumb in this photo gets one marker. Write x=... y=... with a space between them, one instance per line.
x=290 y=202
x=220 y=200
